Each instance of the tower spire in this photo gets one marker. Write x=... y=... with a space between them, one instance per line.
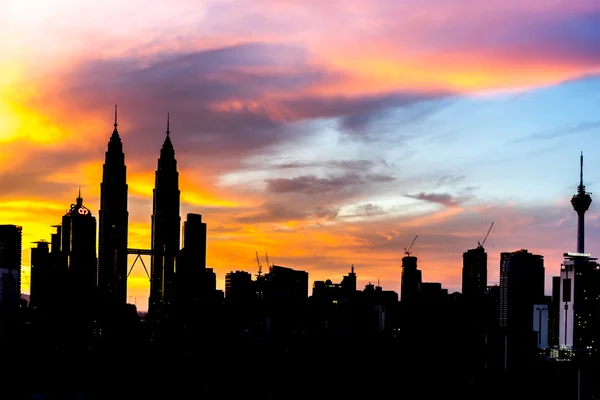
x=168 y=124
x=581 y=187
x=115 y=117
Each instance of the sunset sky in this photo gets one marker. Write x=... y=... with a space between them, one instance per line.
x=323 y=133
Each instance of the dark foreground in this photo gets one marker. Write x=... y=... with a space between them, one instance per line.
x=308 y=369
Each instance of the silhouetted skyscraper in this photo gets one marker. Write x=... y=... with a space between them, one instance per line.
x=166 y=223
x=410 y=280
x=113 y=224
x=239 y=288
x=10 y=265
x=79 y=246
x=41 y=277
x=474 y=273
x=581 y=203
x=192 y=279
x=521 y=287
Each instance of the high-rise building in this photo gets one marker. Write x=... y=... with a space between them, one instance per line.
x=193 y=283
x=521 y=288
x=78 y=232
x=474 y=274
x=239 y=288
x=166 y=223
x=285 y=285
x=41 y=277
x=113 y=224
x=579 y=307
x=10 y=265
x=410 y=280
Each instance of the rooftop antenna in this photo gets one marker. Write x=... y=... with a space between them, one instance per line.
x=168 y=124
x=115 y=117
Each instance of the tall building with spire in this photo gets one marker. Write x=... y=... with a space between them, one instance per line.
x=166 y=223
x=78 y=238
x=581 y=202
x=113 y=224
x=579 y=307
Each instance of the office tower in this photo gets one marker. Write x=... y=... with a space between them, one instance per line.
x=284 y=284
x=10 y=265
x=166 y=223
x=521 y=287
x=348 y=284
x=580 y=286
x=474 y=274
x=113 y=220
x=41 y=277
x=239 y=288
x=78 y=244
x=410 y=280
x=192 y=281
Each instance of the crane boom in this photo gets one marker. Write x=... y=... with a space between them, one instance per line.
x=407 y=250
x=259 y=265
x=486 y=236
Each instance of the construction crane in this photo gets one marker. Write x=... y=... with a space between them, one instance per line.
x=486 y=236
x=407 y=250
x=259 y=265
x=268 y=265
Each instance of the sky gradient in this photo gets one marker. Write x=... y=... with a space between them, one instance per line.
x=324 y=134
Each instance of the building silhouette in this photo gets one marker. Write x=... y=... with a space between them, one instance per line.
x=474 y=274
x=521 y=288
x=579 y=290
x=581 y=202
x=10 y=265
x=194 y=283
x=78 y=245
x=239 y=288
x=113 y=218
x=166 y=223
x=42 y=278
x=410 y=280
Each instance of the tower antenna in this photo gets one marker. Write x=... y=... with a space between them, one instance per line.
x=115 y=116
x=168 y=124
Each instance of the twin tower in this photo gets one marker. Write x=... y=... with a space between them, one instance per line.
x=114 y=220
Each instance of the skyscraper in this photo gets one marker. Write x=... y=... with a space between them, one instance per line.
x=410 y=280
x=79 y=247
x=579 y=308
x=474 y=273
x=113 y=224
x=41 y=277
x=10 y=265
x=521 y=288
x=166 y=223
x=193 y=285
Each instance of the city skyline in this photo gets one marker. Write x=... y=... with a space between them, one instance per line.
x=260 y=122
